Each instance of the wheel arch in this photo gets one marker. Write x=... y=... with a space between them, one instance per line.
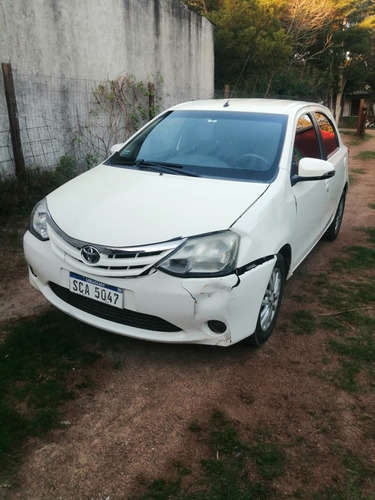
x=286 y=253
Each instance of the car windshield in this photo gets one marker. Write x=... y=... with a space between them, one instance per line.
x=221 y=144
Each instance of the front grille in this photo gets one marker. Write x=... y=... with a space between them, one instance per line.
x=114 y=262
x=121 y=316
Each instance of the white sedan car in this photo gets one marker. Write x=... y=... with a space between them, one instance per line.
x=189 y=230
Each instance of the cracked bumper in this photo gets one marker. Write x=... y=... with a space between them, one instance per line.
x=189 y=304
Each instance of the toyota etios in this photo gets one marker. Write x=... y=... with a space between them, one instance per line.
x=188 y=231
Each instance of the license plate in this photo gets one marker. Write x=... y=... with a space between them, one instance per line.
x=96 y=290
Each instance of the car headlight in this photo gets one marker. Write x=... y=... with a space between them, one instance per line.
x=209 y=255
x=38 y=221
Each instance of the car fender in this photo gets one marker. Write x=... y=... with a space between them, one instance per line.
x=238 y=305
x=269 y=224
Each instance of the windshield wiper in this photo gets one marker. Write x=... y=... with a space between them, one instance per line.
x=161 y=166
x=151 y=163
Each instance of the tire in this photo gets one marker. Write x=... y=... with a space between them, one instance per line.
x=333 y=230
x=270 y=306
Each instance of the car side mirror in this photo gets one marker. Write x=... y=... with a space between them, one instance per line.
x=116 y=147
x=313 y=169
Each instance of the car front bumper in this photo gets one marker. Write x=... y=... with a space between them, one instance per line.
x=157 y=307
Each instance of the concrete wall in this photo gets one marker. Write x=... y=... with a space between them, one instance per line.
x=65 y=41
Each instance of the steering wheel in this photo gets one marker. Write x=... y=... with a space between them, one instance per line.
x=252 y=162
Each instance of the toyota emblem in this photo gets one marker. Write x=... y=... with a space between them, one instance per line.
x=90 y=254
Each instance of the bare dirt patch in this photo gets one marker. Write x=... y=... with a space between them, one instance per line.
x=133 y=426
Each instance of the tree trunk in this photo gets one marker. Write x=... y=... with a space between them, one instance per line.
x=339 y=95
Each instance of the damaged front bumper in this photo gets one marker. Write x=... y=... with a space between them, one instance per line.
x=215 y=311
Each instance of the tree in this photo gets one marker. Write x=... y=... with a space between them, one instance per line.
x=250 y=46
x=304 y=21
x=297 y=48
x=347 y=62
x=202 y=6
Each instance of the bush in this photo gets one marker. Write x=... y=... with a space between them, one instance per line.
x=17 y=197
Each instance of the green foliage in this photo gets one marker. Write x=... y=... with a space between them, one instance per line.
x=269 y=457
x=303 y=322
x=91 y=160
x=161 y=489
x=17 y=197
x=202 y=6
x=358 y=258
x=37 y=358
x=298 y=49
x=352 y=304
x=120 y=107
x=292 y=83
x=65 y=170
x=249 y=42
x=357 y=472
x=224 y=438
x=365 y=155
x=355 y=140
x=226 y=472
x=357 y=171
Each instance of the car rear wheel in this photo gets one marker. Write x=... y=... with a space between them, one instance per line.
x=270 y=306
x=333 y=230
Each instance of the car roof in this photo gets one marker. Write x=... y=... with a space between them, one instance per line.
x=275 y=106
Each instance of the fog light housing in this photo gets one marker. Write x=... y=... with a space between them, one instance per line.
x=216 y=326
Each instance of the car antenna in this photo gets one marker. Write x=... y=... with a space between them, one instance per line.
x=238 y=79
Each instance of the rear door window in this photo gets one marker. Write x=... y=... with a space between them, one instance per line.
x=330 y=141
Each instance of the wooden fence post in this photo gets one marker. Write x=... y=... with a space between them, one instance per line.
x=361 y=122
x=10 y=96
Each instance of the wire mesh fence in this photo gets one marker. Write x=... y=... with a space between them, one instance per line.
x=6 y=155
x=80 y=118
x=46 y=107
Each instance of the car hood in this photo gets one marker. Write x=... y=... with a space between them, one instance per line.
x=120 y=207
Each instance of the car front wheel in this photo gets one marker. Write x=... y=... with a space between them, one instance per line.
x=270 y=306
